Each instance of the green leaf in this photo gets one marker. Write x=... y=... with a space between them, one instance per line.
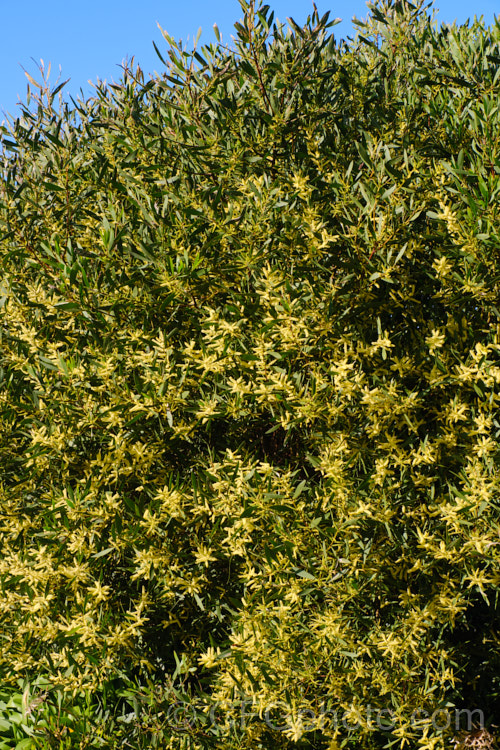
x=67 y=306
x=299 y=489
x=306 y=575
x=103 y=552
x=26 y=744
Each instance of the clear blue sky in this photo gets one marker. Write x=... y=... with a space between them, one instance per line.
x=89 y=39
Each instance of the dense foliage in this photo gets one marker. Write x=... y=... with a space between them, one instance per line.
x=249 y=392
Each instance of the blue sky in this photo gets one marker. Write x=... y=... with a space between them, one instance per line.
x=90 y=39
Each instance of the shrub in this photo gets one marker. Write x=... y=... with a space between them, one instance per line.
x=249 y=389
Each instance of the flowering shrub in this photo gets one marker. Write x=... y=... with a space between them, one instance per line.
x=249 y=389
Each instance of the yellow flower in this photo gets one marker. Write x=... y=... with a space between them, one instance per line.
x=204 y=555
x=442 y=267
x=150 y=522
x=383 y=343
x=209 y=658
x=98 y=592
x=300 y=183
x=207 y=409
x=435 y=340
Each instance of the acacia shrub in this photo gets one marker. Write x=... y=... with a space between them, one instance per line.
x=249 y=385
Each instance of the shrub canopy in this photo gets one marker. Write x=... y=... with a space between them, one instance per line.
x=250 y=381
